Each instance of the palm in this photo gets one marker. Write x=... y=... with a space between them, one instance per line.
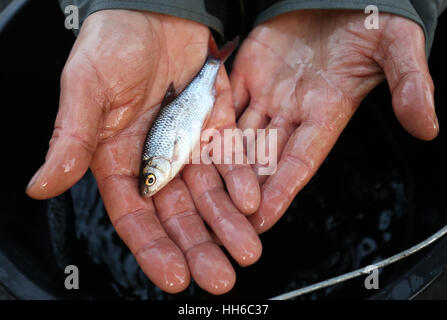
x=112 y=85
x=317 y=66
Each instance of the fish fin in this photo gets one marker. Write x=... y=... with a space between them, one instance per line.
x=169 y=95
x=223 y=53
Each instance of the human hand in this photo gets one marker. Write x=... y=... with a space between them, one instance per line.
x=113 y=82
x=305 y=73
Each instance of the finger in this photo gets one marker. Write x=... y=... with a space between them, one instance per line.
x=74 y=137
x=218 y=211
x=271 y=144
x=304 y=152
x=135 y=221
x=241 y=96
x=208 y=265
x=242 y=186
x=403 y=59
x=254 y=117
x=248 y=77
x=116 y=167
x=239 y=177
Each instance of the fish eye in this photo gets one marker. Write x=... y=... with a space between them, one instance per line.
x=150 y=180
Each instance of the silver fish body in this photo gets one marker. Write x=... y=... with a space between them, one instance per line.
x=177 y=129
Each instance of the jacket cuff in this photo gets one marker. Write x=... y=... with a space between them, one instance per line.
x=188 y=9
x=402 y=8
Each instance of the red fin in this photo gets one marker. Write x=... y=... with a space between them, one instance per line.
x=169 y=95
x=223 y=53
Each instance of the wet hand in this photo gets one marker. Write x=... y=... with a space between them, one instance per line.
x=113 y=82
x=305 y=73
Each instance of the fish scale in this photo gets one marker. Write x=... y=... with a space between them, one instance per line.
x=177 y=128
x=193 y=105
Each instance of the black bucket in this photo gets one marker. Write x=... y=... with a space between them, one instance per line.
x=379 y=192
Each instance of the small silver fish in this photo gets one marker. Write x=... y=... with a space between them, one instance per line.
x=177 y=128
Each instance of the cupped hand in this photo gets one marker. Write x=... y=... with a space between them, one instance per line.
x=305 y=73
x=113 y=82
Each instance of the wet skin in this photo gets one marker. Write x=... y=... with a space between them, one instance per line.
x=113 y=82
x=317 y=66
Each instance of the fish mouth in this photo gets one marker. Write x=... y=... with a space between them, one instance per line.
x=145 y=192
x=148 y=194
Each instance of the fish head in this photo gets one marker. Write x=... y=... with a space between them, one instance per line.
x=155 y=174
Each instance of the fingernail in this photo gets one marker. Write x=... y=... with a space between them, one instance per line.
x=35 y=177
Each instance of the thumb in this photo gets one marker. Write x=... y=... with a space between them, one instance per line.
x=74 y=137
x=405 y=65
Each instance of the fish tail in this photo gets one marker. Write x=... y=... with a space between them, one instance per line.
x=223 y=53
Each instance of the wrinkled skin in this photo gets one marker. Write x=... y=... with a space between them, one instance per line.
x=113 y=82
x=317 y=66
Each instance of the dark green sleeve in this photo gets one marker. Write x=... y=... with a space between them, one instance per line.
x=196 y=10
x=423 y=12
